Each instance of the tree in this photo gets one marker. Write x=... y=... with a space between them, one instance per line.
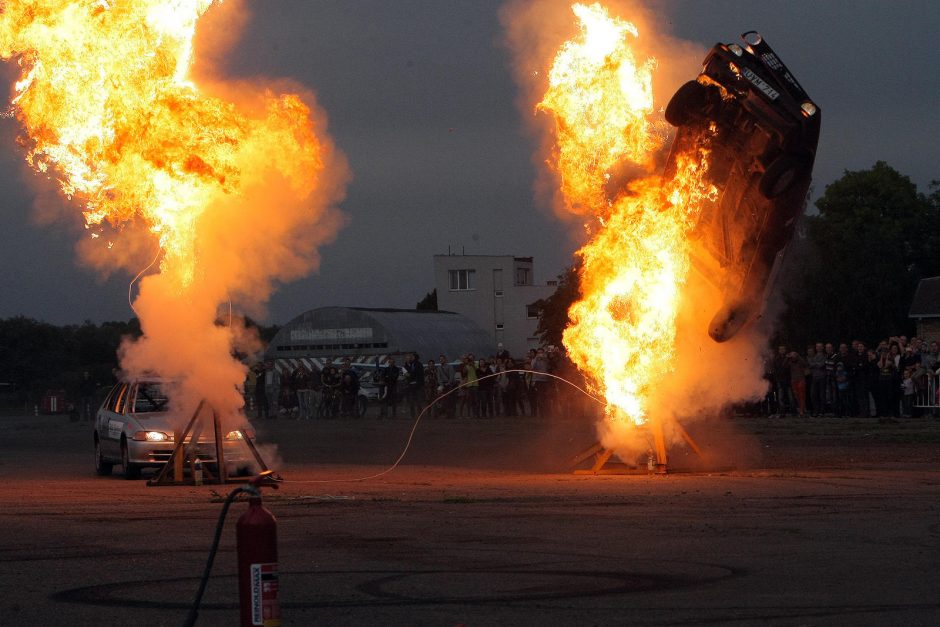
x=266 y=333
x=429 y=302
x=38 y=356
x=553 y=311
x=875 y=237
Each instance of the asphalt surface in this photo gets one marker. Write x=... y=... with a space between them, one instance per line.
x=823 y=521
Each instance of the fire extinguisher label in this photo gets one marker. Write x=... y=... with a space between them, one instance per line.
x=264 y=608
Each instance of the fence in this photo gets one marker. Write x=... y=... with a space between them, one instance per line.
x=927 y=396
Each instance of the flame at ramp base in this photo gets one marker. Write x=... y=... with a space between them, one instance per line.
x=185 y=455
x=602 y=464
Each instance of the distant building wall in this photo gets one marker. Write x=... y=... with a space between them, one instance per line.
x=496 y=292
x=925 y=308
x=929 y=329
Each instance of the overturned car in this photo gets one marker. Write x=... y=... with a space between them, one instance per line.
x=761 y=129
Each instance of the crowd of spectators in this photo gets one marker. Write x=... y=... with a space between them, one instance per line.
x=467 y=387
x=894 y=378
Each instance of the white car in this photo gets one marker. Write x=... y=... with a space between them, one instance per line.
x=134 y=428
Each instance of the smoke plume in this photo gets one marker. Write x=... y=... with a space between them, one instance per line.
x=216 y=190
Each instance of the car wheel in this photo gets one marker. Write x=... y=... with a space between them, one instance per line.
x=727 y=321
x=131 y=471
x=102 y=467
x=782 y=174
x=688 y=104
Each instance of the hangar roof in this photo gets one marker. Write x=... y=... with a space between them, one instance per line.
x=926 y=303
x=358 y=331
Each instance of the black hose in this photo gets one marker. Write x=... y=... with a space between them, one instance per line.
x=194 y=610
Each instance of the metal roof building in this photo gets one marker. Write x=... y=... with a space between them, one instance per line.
x=371 y=335
x=925 y=308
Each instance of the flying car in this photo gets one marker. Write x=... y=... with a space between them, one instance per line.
x=761 y=130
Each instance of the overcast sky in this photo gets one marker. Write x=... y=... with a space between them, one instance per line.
x=421 y=99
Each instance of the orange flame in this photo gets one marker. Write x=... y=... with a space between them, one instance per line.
x=107 y=104
x=236 y=194
x=623 y=330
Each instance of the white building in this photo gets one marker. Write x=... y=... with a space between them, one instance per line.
x=498 y=292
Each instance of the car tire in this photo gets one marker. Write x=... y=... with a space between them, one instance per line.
x=728 y=320
x=688 y=104
x=102 y=467
x=131 y=471
x=782 y=174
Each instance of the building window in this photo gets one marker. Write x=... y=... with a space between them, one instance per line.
x=532 y=311
x=499 y=326
x=462 y=279
x=523 y=276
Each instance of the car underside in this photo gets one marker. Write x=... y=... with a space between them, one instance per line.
x=761 y=130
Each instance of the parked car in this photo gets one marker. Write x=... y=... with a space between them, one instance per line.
x=761 y=129
x=134 y=428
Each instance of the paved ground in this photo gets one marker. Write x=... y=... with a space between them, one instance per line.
x=823 y=522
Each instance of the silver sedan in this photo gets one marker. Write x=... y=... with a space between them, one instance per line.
x=135 y=429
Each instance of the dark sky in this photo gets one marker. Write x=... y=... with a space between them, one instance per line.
x=421 y=99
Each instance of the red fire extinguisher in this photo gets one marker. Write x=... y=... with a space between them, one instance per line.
x=256 y=542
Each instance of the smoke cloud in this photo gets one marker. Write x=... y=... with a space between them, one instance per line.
x=215 y=194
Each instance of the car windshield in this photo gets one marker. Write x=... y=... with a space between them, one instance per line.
x=150 y=398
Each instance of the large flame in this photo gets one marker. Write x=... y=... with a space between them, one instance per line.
x=622 y=332
x=111 y=112
x=106 y=102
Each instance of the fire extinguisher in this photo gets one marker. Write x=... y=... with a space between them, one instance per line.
x=256 y=542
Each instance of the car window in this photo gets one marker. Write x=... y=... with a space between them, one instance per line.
x=149 y=398
x=116 y=402
x=109 y=399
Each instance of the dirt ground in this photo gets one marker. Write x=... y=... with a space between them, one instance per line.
x=820 y=521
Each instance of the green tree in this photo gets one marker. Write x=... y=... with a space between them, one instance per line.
x=429 y=302
x=553 y=311
x=38 y=356
x=34 y=354
x=875 y=237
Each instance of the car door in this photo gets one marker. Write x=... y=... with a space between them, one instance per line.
x=111 y=421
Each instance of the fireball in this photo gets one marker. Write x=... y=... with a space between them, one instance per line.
x=236 y=194
x=109 y=111
x=622 y=332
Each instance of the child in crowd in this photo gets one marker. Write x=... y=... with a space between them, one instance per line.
x=907 y=387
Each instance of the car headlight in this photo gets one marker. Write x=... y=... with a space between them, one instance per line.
x=152 y=436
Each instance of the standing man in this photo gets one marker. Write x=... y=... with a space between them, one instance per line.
x=832 y=392
x=390 y=374
x=798 y=381
x=861 y=371
x=87 y=390
x=468 y=376
x=539 y=383
x=447 y=379
x=414 y=381
x=781 y=370
x=261 y=392
x=818 y=378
